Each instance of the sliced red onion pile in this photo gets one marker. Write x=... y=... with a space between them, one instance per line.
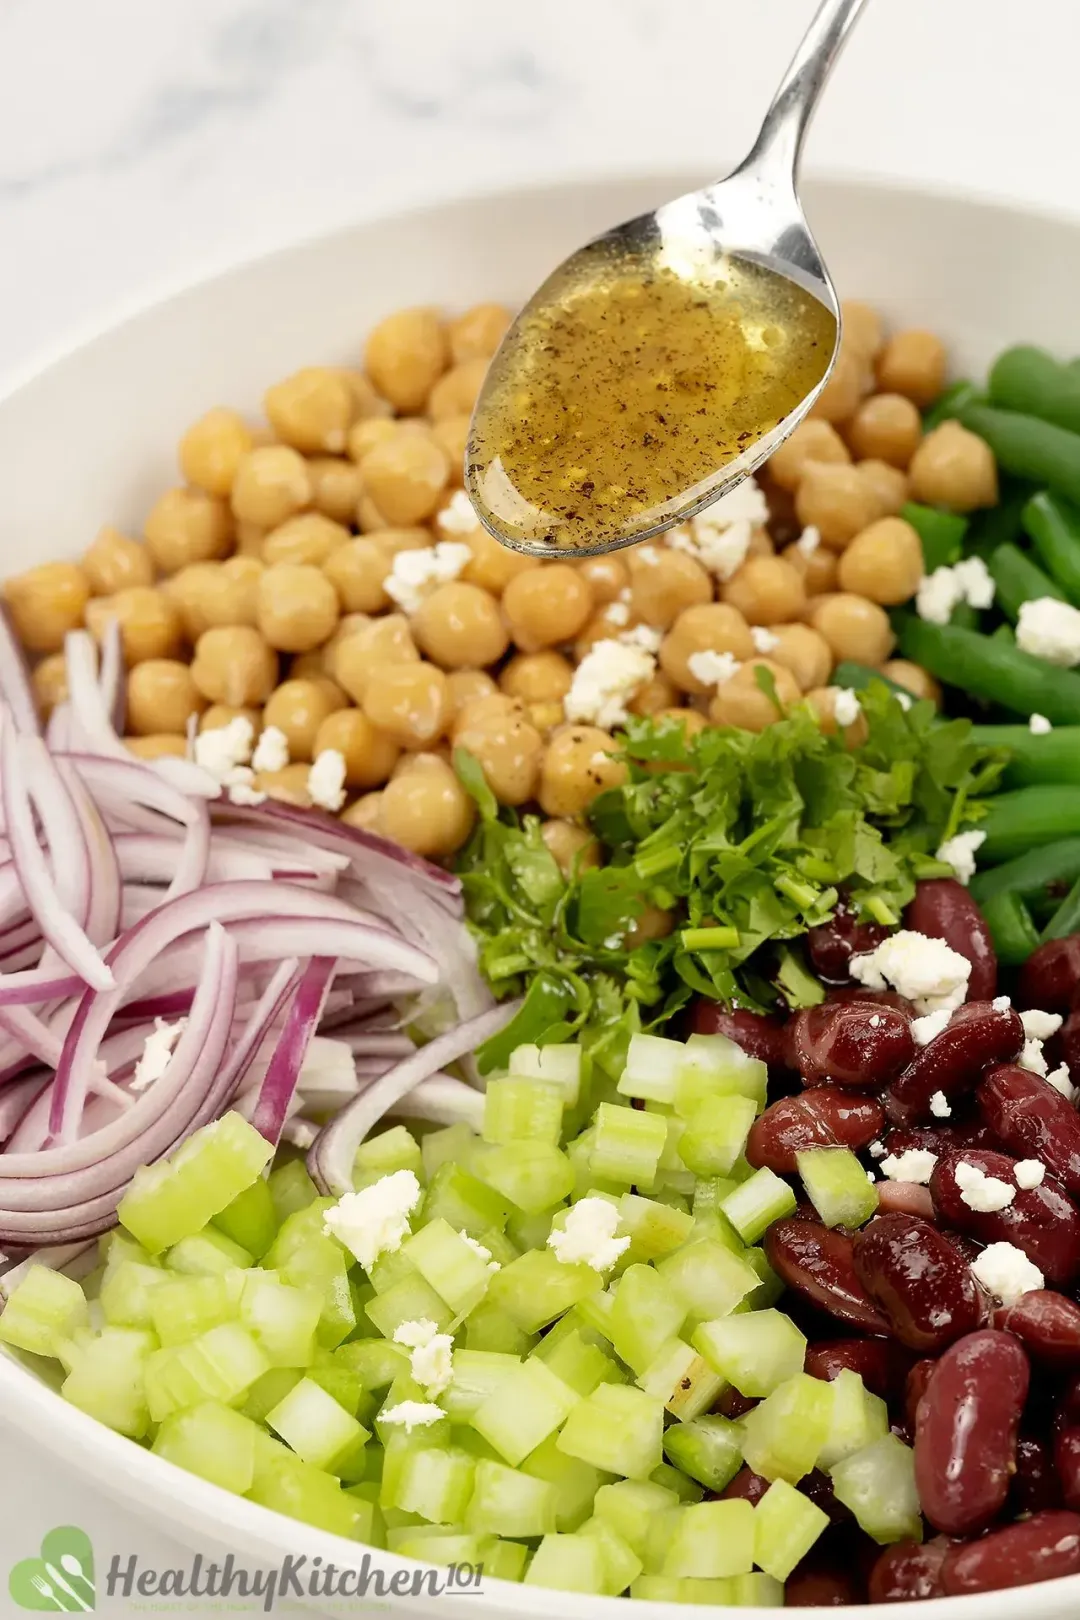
x=290 y=955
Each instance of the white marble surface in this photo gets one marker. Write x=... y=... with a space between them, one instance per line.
x=145 y=141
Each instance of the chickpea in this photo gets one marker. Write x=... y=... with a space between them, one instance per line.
x=233 y=664
x=477 y=334
x=365 y=813
x=664 y=584
x=296 y=607
x=149 y=622
x=409 y=702
x=289 y=785
x=335 y=488
x=574 y=848
x=356 y=571
x=804 y=652
x=653 y=923
x=913 y=363
x=766 y=590
x=312 y=410
x=369 y=520
x=405 y=356
x=369 y=754
x=854 y=628
x=46 y=602
x=608 y=578
x=367 y=401
x=578 y=765
x=493 y=566
x=115 y=561
x=689 y=721
x=161 y=696
x=381 y=642
x=886 y=427
x=210 y=594
x=761 y=543
x=455 y=394
x=823 y=701
x=186 y=526
x=547 y=605
x=465 y=686
x=884 y=562
x=49 y=682
x=547 y=717
x=954 y=468
x=219 y=715
x=862 y=328
x=509 y=750
x=817 y=567
x=212 y=450
x=712 y=627
x=658 y=693
x=298 y=708
x=427 y=810
x=913 y=678
x=391 y=541
x=307 y=538
x=250 y=538
x=740 y=701
x=160 y=745
x=417 y=759
x=841 y=394
x=889 y=485
x=272 y=483
x=405 y=477
x=836 y=501
x=812 y=441
x=482 y=711
x=372 y=431
x=451 y=434
x=541 y=677
x=459 y=626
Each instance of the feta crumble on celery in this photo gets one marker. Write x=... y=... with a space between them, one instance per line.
x=375 y=1221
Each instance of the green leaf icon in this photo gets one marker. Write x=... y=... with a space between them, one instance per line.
x=61 y=1579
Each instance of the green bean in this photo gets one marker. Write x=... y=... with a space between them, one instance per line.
x=1030 y=874
x=1054 y=526
x=1011 y=929
x=1031 y=380
x=1005 y=633
x=941 y=533
x=1028 y=447
x=1066 y=919
x=1018 y=580
x=992 y=670
x=1026 y=817
x=998 y=525
x=945 y=409
x=1052 y=756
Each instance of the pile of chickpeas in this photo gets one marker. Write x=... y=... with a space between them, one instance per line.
x=257 y=587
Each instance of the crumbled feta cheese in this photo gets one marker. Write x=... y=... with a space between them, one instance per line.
x=917 y=1165
x=413 y=1415
x=926 y=971
x=1061 y=1081
x=1039 y=1026
x=976 y=582
x=870 y=1176
x=1029 y=1172
x=156 y=1052
x=271 y=750
x=959 y=853
x=928 y=1028
x=980 y=1191
x=589 y=1235
x=720 y=536
x=416 y=1333
x=243 y=793
x=617 y=613
x=432 y=1360
x=374 y=1221
x=326 y=779
x=712 y=668
x=937 y=595
x=478 y=1248
x=605 y=681
x=614 y=942
x=939 y=1105
x=415 y=574
x=1001 y=1003
x=876 y=1150
x=222 y=749
x=1033 y=1058
x=458 y=516
x=1049 y=629
x=876 y=1021
x=765 y=641
x=846 y=706
x=809 y=540
x=1006 y=1272
x=1039 y=725
x=643 y=636
x=904 y=699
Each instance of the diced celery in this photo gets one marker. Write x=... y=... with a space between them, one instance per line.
x=301 y=1491
x=452 y=1145
x=436 y=1545
x=44 y=1307
x=400 y=1450
x=630 y=1505
x=757 y=1591
x=707 y=1278
x=756 y=1351
x=107 y=1379
x=621 y=1563
x=786 y=1525
x=627 y=1145
x=411 y=1300
x=125 y=1294
x=596 y=1311
x=857 y=1418
x=340 y=1379
x=836 y=1185
x=517 y=1110
x=652 y=1064
x=531 y=1231
x=576 y=1483
x=783 y=1437
x=176 y=1197
x=208 y=1252
x=617 y=1428
x=710 y=1540
x=437 y=1484
x=450 y=1265
x=559 y=1065
x=716 y=1134
x=376 y=1362
x=298 y=1230
x=770 y=1287
x=267 y=1391
x=682 y=1379
x=506 y=1502
x=212 y=1441
x=756 y=1203
x=182 y=1308
x=686 y=1490
x=220 y=1365
x=394 y=1149
x=505 y=1560
x=489 y=1328
x=571 y=1563
x=658 y=1589
x=118 y=1245
x=476 y=1375
x=709 y=1449
x=713 y=1066
x=250 y=1219
x=654 y=1229
x=536 y=1288
x=658 y=1538
x=283 y=1319
x=528 y=1404
x=709 y=1194
x=389 y=1269
x=646 y=1313
x=878 y=1485
x=533 y=1175
x=580 y=1365
x=291 y=1189
x=463 y=1201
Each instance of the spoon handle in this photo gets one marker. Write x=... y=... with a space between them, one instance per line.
x=782 y=133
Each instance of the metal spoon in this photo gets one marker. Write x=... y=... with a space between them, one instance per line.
x=752 y=218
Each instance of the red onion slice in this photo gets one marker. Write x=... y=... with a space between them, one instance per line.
x=279 y=1084
x=15 y=688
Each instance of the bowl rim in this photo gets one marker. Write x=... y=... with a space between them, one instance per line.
x=28 y=1403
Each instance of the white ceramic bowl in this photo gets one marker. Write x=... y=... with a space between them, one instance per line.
x=91 y=437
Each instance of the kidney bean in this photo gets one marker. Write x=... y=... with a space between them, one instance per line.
x=1042 y=1548
x=823 y=1117
x=816 y=1263
x=908 y=1571
x=822 y=1583
x=746 y=1486
x=819 y=1488
x=943 y=909
x=1068 y=1039
x=880 y=998
x=850 y=1043
x=1067 y=1463
x=905 y=1198
x=1035 y=1485
x=925 y=1289
x=882 y=1364
x=832 y=944
x=758 y=1035
x=733 y=1405
x=1043 y=1221
x=1033 y=1121
x=965 y=1431
x=1051 y=975
x=1048 y=1326
x=915 y=1388
x=977 y=1037
x=939 y=1137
